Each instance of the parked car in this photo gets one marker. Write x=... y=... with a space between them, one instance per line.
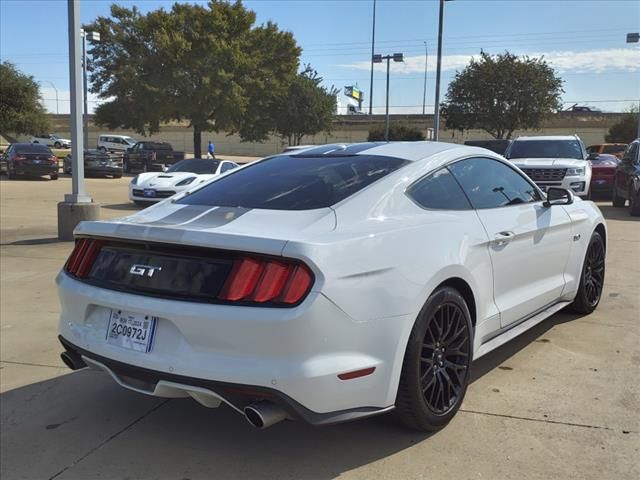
x=52 y=141
x=495 y=145
x=150 y=157
x=616 y=149
x=96 y=162
x=154 y=187
x=603 y=169
x=332 y=285
x=29 y=159
x=115 y=143
x=627 y=179
x=553 y=161
x=582 y=109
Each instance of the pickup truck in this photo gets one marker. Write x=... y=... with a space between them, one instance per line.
x=150 y=157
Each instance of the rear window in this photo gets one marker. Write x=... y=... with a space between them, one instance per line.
x=32 y=148
x=200 y=166
x=546 y=149
x=295 y=183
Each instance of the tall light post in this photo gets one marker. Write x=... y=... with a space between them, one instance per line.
x=56 y=90
x=635 y=38
x=92 y=37
x=424 y=92
x=397 y=57
x=436 y=110
x=76 y=206
x=373 y=46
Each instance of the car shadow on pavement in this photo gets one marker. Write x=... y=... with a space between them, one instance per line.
x=87 y=423
x=612 y=213
x=33 y=241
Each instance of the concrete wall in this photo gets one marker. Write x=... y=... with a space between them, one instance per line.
x=591 y=128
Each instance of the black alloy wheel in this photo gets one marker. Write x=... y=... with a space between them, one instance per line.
x=634 y=203
x=435 y=372
x=445 y=358
x=57 y=145
x=592 y=279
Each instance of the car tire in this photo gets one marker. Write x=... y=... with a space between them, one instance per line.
x=117 y=176
x=10 y=174
x=634 y=204
x=54 y=176
x=57 y=145
x=591 y=278
x=125 y=166
x=616 y=200
x=435 y=371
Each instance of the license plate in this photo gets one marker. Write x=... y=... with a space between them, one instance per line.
x=37 y=161
x=600 y=182
x=133 y=331
x=149 y=192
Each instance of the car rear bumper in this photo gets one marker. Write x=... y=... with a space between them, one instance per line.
x=36 y=170
x=294 y=353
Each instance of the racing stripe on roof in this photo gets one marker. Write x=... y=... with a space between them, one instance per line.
x=216 y=218
x=183 y=215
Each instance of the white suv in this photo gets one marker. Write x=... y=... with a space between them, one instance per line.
x=115 y=143
x=558 y=161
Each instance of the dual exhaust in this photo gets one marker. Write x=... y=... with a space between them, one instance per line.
x=262 y=414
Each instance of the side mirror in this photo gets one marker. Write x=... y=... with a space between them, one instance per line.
x=558 y=196
x=593 y=156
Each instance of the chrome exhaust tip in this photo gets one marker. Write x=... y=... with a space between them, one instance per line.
x=72 y=360
x=264 y=414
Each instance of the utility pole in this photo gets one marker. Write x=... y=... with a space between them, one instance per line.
x=635 y=38
x=85 y=111
x=77 y=206
x=424 y=93
x=397 y=57
x=436 y=110
x=373 y=46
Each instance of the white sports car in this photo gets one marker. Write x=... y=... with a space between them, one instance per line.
x=153 y=187
x=332 y=284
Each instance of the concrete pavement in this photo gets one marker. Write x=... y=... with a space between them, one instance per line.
x=561 y=401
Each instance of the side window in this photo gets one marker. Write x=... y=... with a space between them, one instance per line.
x=491 y=184
x=439 y=191
x=227 y=166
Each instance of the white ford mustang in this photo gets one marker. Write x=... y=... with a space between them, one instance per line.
x=153 y=187
x=332 y=284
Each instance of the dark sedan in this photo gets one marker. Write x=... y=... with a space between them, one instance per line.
x=97 y=163
x=29 y=159
x=603 y=169
x=626 y=184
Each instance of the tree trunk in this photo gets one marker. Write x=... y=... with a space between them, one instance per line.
x=197 y=141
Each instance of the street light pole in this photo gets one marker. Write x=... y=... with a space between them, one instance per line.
x=373 y=46
x=397 y=57
x=635 y=38
x=85 y=112
x=77 y=206
x=436 y=111
x=386 y=114
x=424 y=92
x=56 y=90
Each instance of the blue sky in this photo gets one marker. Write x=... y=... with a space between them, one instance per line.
x=584 y=40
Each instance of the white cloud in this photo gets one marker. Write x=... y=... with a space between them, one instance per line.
x=621 y=59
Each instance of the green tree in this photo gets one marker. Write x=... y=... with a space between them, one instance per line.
x=624 y=130
x=397 y=133
x=209 y=65
x=502 y=93
x=307 y=108
x=21 y=112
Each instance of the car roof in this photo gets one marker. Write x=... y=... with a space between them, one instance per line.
x=411 y=151
x=548 y=137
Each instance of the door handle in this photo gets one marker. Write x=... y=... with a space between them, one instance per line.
x=502 y=238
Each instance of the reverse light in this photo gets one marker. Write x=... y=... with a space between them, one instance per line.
x=259 y=280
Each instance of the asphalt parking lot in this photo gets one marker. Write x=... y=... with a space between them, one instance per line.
x=561 y=401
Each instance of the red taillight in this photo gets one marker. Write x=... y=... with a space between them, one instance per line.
x=53 y=159
x=81 y=259
x=263 y=280
x=19 y=158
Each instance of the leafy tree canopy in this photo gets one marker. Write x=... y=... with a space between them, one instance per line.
x=307 y=108
x=624 y=130
x=502 y=93
x=208 y=64
x=21 y=112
